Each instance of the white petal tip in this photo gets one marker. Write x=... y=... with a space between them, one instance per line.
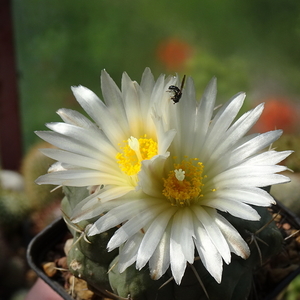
x=38 y=181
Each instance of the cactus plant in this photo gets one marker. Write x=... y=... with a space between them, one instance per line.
x=173 y=191
x=33 y=165
x=13 y=207
x=17 y=204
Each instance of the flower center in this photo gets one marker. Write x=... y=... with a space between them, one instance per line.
x=184 y=184
x=134 y=152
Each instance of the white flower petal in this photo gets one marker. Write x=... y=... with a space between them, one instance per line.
x=100 y=114
x=246 y=147
x=80 y=177
x=208 y=253
x=56 y=167
x=113 y=99
x=207 y=216
x=91 y=207
x=257 y=180
x=267 y=158
x=206 y=108
x=153 y=169
x=254 y=145
x=160 y=260
x=129 y=251
x=67 y=144
x=132 y=226
x=177 y=258
x=184 y=114
x=99 y=202
x=73 y=117
x=253 y=196
x=222 y=121
x=185 y=219
x=236 y=242
x=235 y=208
x=147 y=84
x=153 y=236
x=164 y=138
x=246 y=172
x=115 y=192
x=81 y=161
x=235 y=132
x=188 y=103
x=77 y=133
x=158 y=89
x=132 y=106
x=118 y=215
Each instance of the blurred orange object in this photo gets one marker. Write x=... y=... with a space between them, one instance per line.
x=173 y=53
x=279 y=113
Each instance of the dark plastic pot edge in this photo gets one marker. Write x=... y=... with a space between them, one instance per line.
x=37 y=249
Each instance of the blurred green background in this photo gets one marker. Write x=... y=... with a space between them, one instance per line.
x=249 y=45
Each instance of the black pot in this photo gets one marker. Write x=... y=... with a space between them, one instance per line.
x=39 y=247
x=56 y=232
x=294 y=220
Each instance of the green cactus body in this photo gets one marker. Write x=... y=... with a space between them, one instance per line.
x=72 y=197
x=94 y=273
x=96 y=250
x=236 y=280
x=138 y=284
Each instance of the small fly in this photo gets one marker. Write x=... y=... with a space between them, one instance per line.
x=177 y=92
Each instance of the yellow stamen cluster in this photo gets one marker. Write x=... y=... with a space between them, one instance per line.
x=184 y=184
x=133 y=152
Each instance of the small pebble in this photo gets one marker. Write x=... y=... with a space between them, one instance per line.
x=50 y=269
x=286 y=226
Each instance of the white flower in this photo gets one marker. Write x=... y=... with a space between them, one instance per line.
x=108 y=152
x=167 y=170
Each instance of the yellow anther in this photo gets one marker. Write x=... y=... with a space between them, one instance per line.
x=134 y=152
x=184 y=184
